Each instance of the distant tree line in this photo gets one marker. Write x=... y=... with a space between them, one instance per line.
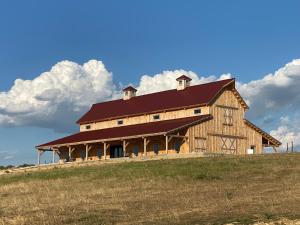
x=11 y=166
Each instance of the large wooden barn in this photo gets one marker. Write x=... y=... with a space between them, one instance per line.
x=206 y=118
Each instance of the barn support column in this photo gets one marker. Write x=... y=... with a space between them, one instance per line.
x=53 y=155
x=105 y=147
x=125 y=144
x=70 y=152
x=39 y=154
x=87 y=149
x=146 y=142
x=124 y=148
x=167 y=144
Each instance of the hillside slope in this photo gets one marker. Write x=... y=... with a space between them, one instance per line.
x=181 y=191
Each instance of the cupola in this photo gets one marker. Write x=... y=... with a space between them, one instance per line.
x=182 y=82
x=129 y=92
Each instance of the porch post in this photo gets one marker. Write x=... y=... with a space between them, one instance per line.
x=145 y=146
x=167 y=141
x=86 y=152
x=104 y=149
x=70 y=153
x=53 y=155
x=124 y=148
x=38 y=160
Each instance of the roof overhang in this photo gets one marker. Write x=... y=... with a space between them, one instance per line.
x=230 y=86
x=165 y=127
x=270 y=141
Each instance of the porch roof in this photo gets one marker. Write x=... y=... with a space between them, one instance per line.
x=271 y=140
x=126 y=132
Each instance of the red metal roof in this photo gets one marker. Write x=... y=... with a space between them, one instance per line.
x=156 y=102
x=164 y=126
x=184 y=77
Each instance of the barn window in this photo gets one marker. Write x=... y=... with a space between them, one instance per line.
x=228 y=116
x=200 y=144
x=197 y=111
x=99 y=153
x=156 y=148
x=228 y=145
x=87 y=127
x=177 y=146
x=156 y=117
x=120 y=122
x=136 y=150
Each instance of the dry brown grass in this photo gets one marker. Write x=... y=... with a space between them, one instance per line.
x=182 y=191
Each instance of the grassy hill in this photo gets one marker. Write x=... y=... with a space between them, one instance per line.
x=180 y=191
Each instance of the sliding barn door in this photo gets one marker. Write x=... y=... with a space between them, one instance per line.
x=228 y=145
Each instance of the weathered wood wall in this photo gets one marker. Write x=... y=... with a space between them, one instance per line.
x=176 y=114
x=216 y=131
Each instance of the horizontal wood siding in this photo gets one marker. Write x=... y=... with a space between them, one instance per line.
x=176 y=114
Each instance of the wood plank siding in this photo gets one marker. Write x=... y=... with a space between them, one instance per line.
x=218 y=129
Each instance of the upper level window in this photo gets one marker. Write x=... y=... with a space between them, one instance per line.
x=156 y=117
x=120 y=122
x=87 y=127
x=197 y=111
x=228 y=116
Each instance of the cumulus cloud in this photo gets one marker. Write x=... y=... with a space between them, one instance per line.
x=55 y=99
x=274 y=92
x=288 y=131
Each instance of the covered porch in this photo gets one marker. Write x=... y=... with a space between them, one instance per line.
x=134 y=141
x=267 y=140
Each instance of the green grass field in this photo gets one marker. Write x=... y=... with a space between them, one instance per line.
x=214 y=190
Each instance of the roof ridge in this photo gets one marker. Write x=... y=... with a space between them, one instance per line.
x=174 y=89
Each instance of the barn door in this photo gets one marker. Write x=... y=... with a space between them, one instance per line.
x=200 y=144
x=228 y=145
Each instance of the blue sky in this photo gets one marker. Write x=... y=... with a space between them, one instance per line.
x=133 y=38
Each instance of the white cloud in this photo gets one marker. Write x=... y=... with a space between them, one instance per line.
x=274 y=92
x=55 y=99
x=288 y=131
x=6 y=155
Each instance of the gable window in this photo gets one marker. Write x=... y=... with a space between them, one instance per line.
x=120 y=122
x=87 y=127
x=228 y=116
x=197 y=111
x=156 y=117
